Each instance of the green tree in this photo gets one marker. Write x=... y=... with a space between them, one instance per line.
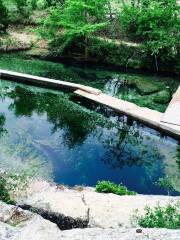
x=54 y=2
x=3 y=18
x=76 y=20
x=23 y=8
x=155 y=23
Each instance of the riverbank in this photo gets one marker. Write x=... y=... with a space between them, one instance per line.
x=119 y=55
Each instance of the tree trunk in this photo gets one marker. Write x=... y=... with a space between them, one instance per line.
x=86 y=48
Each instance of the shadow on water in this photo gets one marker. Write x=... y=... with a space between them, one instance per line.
x=77 y=142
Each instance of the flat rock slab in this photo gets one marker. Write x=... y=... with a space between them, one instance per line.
x=172 y=114
x=41 y=81
x=38 y=231
x=113 y=211
x=54 y=201
x=120 y=234
x=96 y=209
x=148 y=116
x=34 y=227
x=142 y=114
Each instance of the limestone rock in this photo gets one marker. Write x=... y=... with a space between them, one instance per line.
x=17 y=224
x=37 y=229
x=113 y=211
x=120 y=234
x=65 y=207
x=31 y=226
x=70 y=208
x=13 y=215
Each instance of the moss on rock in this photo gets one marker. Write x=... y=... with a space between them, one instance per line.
x=145 y=87
x=162 y=97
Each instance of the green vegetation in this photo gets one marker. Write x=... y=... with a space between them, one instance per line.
x=4 y=193
x=155 y=24
x=22 y=8
x=14 y=183
x=4 y=18
x=166 y=184
x=78 y=19
x=161 y=217
x=110 y=187
x=139 y=34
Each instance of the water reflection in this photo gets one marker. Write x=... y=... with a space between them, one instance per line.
x=2 y=122
x=61 y=138
x=127 y=86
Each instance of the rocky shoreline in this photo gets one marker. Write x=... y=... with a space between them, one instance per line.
x=46 y=211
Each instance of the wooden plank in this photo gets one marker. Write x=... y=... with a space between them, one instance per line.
x=172 y=113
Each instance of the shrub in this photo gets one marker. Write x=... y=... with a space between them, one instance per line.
x=13 y=184
x=161 y=217
x=165 y=183
x=110 y=187
x=4 y=194
x=23 y=8
x=155 y=23
x=4 y=18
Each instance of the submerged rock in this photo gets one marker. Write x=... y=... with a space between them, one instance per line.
x=148 y=87
x=162 y=97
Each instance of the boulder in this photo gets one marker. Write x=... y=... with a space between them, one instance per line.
x=64 y=207
x=17 y=224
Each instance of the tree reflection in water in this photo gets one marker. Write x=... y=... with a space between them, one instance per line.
x=79 y=138
x=124 y=143
x=2 y=122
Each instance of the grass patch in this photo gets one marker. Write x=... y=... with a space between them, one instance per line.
x=110 y=187
x=161 y=217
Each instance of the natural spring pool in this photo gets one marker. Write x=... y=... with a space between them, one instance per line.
x=56 y=135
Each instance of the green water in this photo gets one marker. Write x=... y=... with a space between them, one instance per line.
x=148 y=91
x=59 y=136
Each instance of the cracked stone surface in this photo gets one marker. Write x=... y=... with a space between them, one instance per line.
x=113 y=211
x=17 y=224
x=64 y=207
x=93 y=209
